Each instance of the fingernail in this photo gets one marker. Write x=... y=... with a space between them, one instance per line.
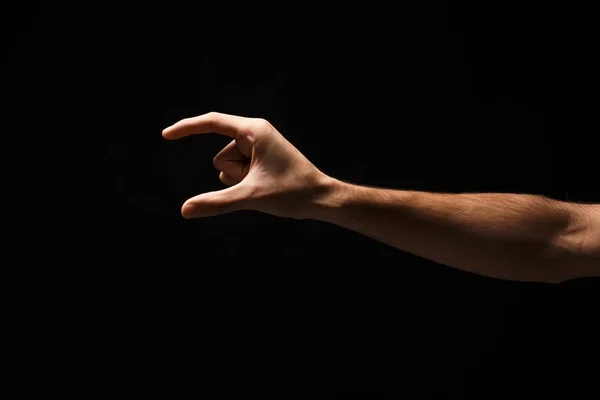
x=187 y=211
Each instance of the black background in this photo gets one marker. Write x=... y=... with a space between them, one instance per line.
x=115 y=287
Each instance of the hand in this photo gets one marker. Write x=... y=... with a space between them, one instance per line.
x=265 y=172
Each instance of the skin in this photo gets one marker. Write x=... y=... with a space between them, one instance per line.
x=500 y=235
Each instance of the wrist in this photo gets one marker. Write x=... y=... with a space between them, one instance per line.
x=329 y=200
x=338 y=202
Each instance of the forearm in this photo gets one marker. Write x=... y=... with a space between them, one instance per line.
x=507 y=236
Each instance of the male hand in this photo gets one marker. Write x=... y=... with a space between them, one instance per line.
x=265 y=172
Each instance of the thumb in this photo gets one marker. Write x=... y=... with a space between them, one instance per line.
x=210 y=204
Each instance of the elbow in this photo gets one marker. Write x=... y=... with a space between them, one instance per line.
x=576 y=251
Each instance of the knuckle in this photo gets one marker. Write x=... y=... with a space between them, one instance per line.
x=262 y=124
x=257 y=128
x=217 y=161
x=184 y=123
x=213 y=117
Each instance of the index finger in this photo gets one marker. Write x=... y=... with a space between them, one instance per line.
x=224 y=124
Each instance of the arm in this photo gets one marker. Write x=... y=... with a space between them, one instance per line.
x=507 y=236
